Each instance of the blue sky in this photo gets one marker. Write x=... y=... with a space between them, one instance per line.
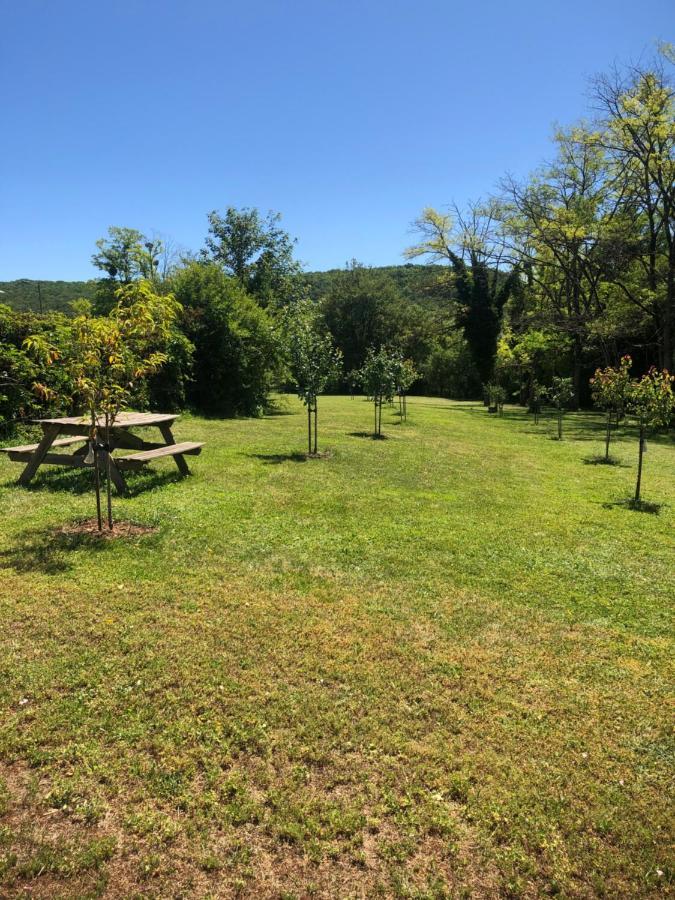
x=347 y=117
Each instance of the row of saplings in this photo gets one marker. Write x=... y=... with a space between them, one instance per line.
x=314 y=363
x=649 y=401
x=105 y=357
x=102 y=360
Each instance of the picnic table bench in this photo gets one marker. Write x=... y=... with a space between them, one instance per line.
x=138 y=452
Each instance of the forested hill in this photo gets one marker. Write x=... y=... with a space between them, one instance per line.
x=40 y=296
x=414 y=283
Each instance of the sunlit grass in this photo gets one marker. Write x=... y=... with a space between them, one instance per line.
x=433 y=665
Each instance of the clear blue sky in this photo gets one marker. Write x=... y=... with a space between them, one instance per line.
x=347 y=117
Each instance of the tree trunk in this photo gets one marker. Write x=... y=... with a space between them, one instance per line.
x=560 y=415
x=107 y=472
x=97 y=473
x=576 y=371
x=316 y=415
x=97 y=486
x=668 y=323
x=608 y=435
x=309 y=426
x=638 y=484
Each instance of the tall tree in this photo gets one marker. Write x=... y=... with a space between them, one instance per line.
x=255 y=250
x=556 y=225
x=469 y=242
x=637 y=132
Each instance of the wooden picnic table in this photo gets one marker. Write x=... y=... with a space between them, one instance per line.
x=76 y=430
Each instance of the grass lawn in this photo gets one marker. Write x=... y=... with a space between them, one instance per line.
x=436 y=665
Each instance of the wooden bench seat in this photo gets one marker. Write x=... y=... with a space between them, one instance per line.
x=187 y=447
x=31 y=448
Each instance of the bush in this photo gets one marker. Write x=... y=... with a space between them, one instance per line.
x=236 y=354
x=19 y=373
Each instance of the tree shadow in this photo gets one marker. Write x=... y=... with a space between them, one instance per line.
x=275 y=459
x=81 y=481
x=47 y=550
x=274 y=408
x=368 y=434
x=73 y=481
x=602 y=460
x=644 y=506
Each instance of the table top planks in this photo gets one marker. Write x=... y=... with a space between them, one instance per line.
x=123 y=420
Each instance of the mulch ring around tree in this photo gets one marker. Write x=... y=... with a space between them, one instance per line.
x=89 y=527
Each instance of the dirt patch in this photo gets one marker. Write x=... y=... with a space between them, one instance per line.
x=120 y=529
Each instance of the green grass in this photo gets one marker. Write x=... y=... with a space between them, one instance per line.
x=436 y=665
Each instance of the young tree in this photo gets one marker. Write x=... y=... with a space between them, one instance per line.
x=608 y=388
x=405 y=375
x=378 y=377
x=106 y=357
x=312 y=359
x=537 y=394
x=561 y=394
x=353 y=380
x=652 y=402
x=496 y=397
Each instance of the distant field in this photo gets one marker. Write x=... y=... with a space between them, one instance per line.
x=437 y=665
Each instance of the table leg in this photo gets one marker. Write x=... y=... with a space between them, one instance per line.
x=115 y=476
x=165 y=428
x=50 y=434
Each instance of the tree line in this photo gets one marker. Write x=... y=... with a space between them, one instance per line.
x=551 y=277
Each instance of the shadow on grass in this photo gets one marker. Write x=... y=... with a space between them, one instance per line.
x=81 y=481
x=278 y=409
x=602 y=460
x=644 y=506
x=368 y=434
x=275 y=459
x=47 y=551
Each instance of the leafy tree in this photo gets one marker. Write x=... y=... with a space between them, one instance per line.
x=254 y=250
x=405 y=376
x=561 y=394
x=652 y=402
x=19 y=371
x=126 y=255
x=378 y=377
x=236 y=352
x=312 y=359
x=558 y=228
x=537 y=395
x=122 y=256
x=635 y=131
x=353 y=380
x=448 y=371
x=469 y=242
x=608 y=388
x=362 y=309
x=105 y=357
x=496 y=397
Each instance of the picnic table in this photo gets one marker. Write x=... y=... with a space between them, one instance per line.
x=136 y=452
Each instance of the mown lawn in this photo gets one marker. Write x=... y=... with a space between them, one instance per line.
x=436 y=665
